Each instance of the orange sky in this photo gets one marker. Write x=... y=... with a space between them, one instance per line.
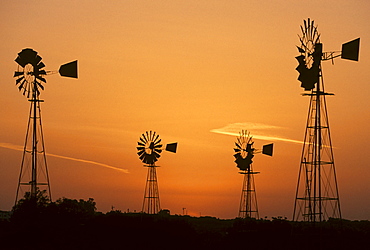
x=183 y=69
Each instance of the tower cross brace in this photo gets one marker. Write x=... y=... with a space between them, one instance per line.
x=34 y=171
x=151 y=203
x=248 y=202
x=317 y=196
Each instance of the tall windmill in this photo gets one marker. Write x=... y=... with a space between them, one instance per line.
x=317 y=196
x=30 y=80
x=244 y=153
x=149 y=150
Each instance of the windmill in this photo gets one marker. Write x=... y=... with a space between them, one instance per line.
x=149 y=150
x=244 y=153
x=317 y=196
x=30 y=80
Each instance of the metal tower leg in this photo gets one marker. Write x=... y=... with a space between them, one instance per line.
x=34 y=171
x=151 y=203
x=317 y=197
x=248 y=202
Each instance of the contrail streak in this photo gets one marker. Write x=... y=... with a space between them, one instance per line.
x=20 y=148
x=260 y=137
x=234 y=129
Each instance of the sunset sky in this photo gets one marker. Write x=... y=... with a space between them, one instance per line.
x=195 y=72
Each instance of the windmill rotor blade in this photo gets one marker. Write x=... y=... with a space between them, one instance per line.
x=42 y=72
x=171 y=147
x=236 y=150
x=158 y=146
x=36 y=60
x=40 y=65
x=249 y=138
x=237 y=155
x=147 y=136
x=69 y=70
x=40 y=85
x=156 y=154
x=142 y=157
x=239 y=139
x=141 y=152
x=149 y=159
x=153 y=158
x=140 y=148
x=151 y=146
x=18 y=73
x=26 y=56
x=140 y=144
x=238 y=146
x=303 y=44
x=28 y=86
x=21 y=61
x=158 y=150
x=41 y=78
x=309 y=27
x=300 y=49
x=21 y=85
x=19 y=79
x=151 y=135
x=143 y=139
x=314 y=33
x=159 y=141
x=156 y=138
x=305 y=24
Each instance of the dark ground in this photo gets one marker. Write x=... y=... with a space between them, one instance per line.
x=116 y=230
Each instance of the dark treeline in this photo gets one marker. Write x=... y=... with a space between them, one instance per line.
x=75 y=224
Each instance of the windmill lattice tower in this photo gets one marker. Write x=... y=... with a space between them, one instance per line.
x=30 y=79
x=244 y=153
x=317 y=196
x=149 y=150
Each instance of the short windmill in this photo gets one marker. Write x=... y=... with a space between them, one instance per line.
x=317 y=196
x=244 y=153
x=149 y=150
x=30 y=80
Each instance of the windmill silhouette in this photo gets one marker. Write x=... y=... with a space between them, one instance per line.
x=317 y=196
x=149 y=150
x=30 y=80
x=244 y=153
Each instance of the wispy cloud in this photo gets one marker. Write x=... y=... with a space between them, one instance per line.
x=234 y=129
x=20 y=148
